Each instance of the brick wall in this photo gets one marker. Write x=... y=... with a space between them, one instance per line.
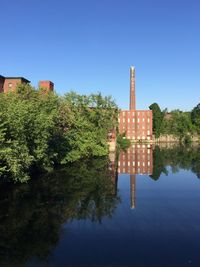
x=137 y=124
x=2 y=79
x=47 y=85
x=11 y=84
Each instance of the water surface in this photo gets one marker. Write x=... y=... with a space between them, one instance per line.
x=142 y=209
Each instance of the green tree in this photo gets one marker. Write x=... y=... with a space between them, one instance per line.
x=157 y=119
x=91 y=119
x=178 y=124
x=195 y=117
x=40 y=130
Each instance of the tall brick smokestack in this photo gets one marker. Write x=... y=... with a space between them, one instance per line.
x=132 y=88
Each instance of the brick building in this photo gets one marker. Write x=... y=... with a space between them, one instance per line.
x=10 y=83
x=136 y=124
x=46 y=85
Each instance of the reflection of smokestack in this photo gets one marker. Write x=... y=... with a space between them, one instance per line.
x=132 y=88
x=132 y=190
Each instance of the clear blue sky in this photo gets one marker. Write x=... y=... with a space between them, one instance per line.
x=89 y=45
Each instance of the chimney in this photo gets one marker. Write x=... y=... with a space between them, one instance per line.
x=132 y=88
x=48 y=85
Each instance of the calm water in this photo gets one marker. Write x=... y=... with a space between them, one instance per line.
x=142 y=209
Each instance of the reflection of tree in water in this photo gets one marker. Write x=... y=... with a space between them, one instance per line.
x=32 y=215
x=177 y=157
x=158 y=164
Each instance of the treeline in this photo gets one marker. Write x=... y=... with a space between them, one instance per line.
x=41 y=130
x=182 y=125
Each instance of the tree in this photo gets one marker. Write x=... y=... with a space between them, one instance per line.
x=40 y=130
x=195 y=117
x=178 y=124
x=157 y=119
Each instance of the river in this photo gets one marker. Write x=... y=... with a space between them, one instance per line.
x=141 y=209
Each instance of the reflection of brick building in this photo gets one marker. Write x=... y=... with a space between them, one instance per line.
x=136 y=160
x=137 y=124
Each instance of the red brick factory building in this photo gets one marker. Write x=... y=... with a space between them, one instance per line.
x=136 y=124
x=10 y=83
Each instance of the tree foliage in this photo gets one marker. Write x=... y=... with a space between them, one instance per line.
x=40 y=130
x=182 y=125
x=195 y=117
x=178 y=124
x=157 y=119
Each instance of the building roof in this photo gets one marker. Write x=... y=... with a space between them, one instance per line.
x=21 y=78
x=1 y=76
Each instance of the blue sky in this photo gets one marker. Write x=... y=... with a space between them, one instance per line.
x=89 y=45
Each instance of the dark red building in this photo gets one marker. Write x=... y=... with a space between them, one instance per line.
x=10 y=83
x=47 y=85
x=136 y=124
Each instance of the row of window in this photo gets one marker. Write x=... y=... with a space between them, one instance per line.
x=142 y=171
x=143 y=133
x=133 y=113
x=138 y=137
x=137 y=150
x=138 y=163
x=138 y=157
x=133 y=126
x=133 y=120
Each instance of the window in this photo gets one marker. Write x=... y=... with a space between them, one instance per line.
x=10 y=85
